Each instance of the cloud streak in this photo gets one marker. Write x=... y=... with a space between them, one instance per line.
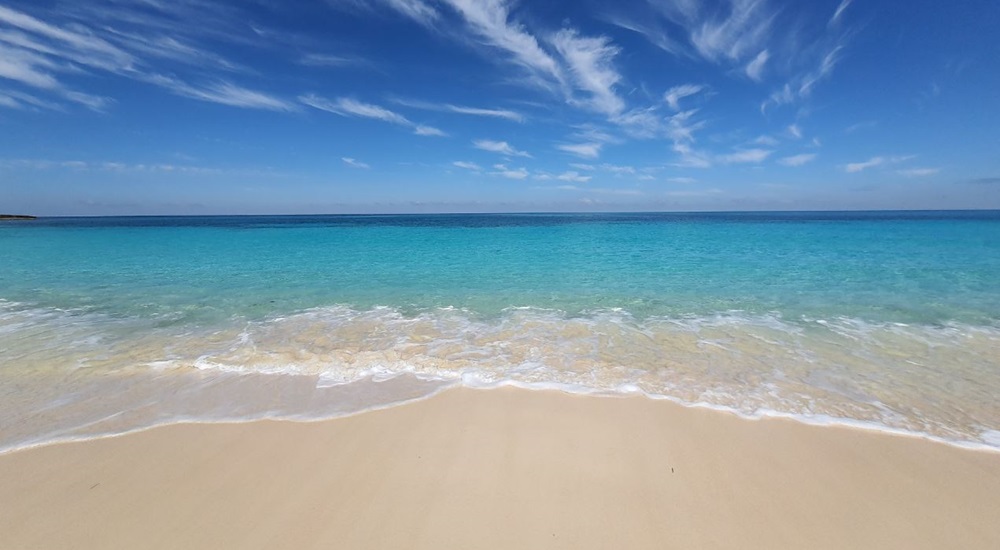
x=462 y=109
x=674 y=95
x=855 y=167
x=354 y=163
x=223 y=93
x=591 y=64
x=797 y=160
x=348 y=107
x=501 y=147
x=583 y=150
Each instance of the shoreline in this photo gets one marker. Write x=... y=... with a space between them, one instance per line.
x=520 y=468
x=814 y=421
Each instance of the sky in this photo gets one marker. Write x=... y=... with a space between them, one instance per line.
x=142 y=107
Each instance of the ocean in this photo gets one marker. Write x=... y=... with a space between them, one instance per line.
x=883 y=320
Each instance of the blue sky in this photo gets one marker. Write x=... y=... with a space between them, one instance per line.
x=343 y=106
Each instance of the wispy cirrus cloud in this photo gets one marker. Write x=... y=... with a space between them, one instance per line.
x=467 y=165
x=422 y=130
x=345 y=106
x=565 y=62
x=844 y=4
x=591 y=64
x=755 y=68
x=85 y=47
x=354 y=163
x=330 y=60
x=682 y=126
x=418 y=10
x=741 y=30
x=348 y=107
x=117 y=167
x=462 y=109
x=918 y=172
x=573 y=176
x=674 y=95
x=494 y=113
x=689 y=157
x=731 y=31
x=855 y=167
x=223 y=93
x=745 y=156
x=583 y=150
x=501 y=147
x=510 y=173
x=489 y=22
x=79 y=40
x=797 y=160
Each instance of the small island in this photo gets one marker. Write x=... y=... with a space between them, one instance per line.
x=4 y=217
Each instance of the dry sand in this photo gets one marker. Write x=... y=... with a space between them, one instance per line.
x=503 y=469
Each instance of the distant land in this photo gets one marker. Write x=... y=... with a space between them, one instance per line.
x=16 y=217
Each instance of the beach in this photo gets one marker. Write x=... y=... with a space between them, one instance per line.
x=503 y=468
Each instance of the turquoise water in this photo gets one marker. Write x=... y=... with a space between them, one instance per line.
x=885 y=318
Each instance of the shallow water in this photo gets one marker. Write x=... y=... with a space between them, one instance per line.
x=883 y=319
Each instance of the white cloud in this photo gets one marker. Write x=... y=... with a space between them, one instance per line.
x=797 y=160
x=422 y=130
x=591 y=132
x=591 y=63
x=824 y=70
x=844 y=4
x=873 y=162
x=689 y=157
x=345 y=106
x=489 y=20
x=501 y=147
x=618 y=169
x=918 y=172
x=355 y=163
x=677 y=93
x=9 y=102
x=349 y=107
x=86 y=47
x=125 y=168
x=861 y=126
x=745 y=156
x=859 y=166
x=584 y=150
x=574 y=177
x=795 y=131
x=415 y=9
x=467 y=165
x=755 y=68
x=327 y=60
x=744 y=28
x=680 y=129
x=765 y=140
x=510 y=173
x=224 y=93
x=27 y=68
x=682 y=180
x=495 y=113
x=640 y=123
x=461 y=109
x=579 y=166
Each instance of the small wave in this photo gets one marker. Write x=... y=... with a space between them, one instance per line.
x=930 y=380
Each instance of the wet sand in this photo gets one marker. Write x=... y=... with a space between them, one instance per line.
x=503 y=468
